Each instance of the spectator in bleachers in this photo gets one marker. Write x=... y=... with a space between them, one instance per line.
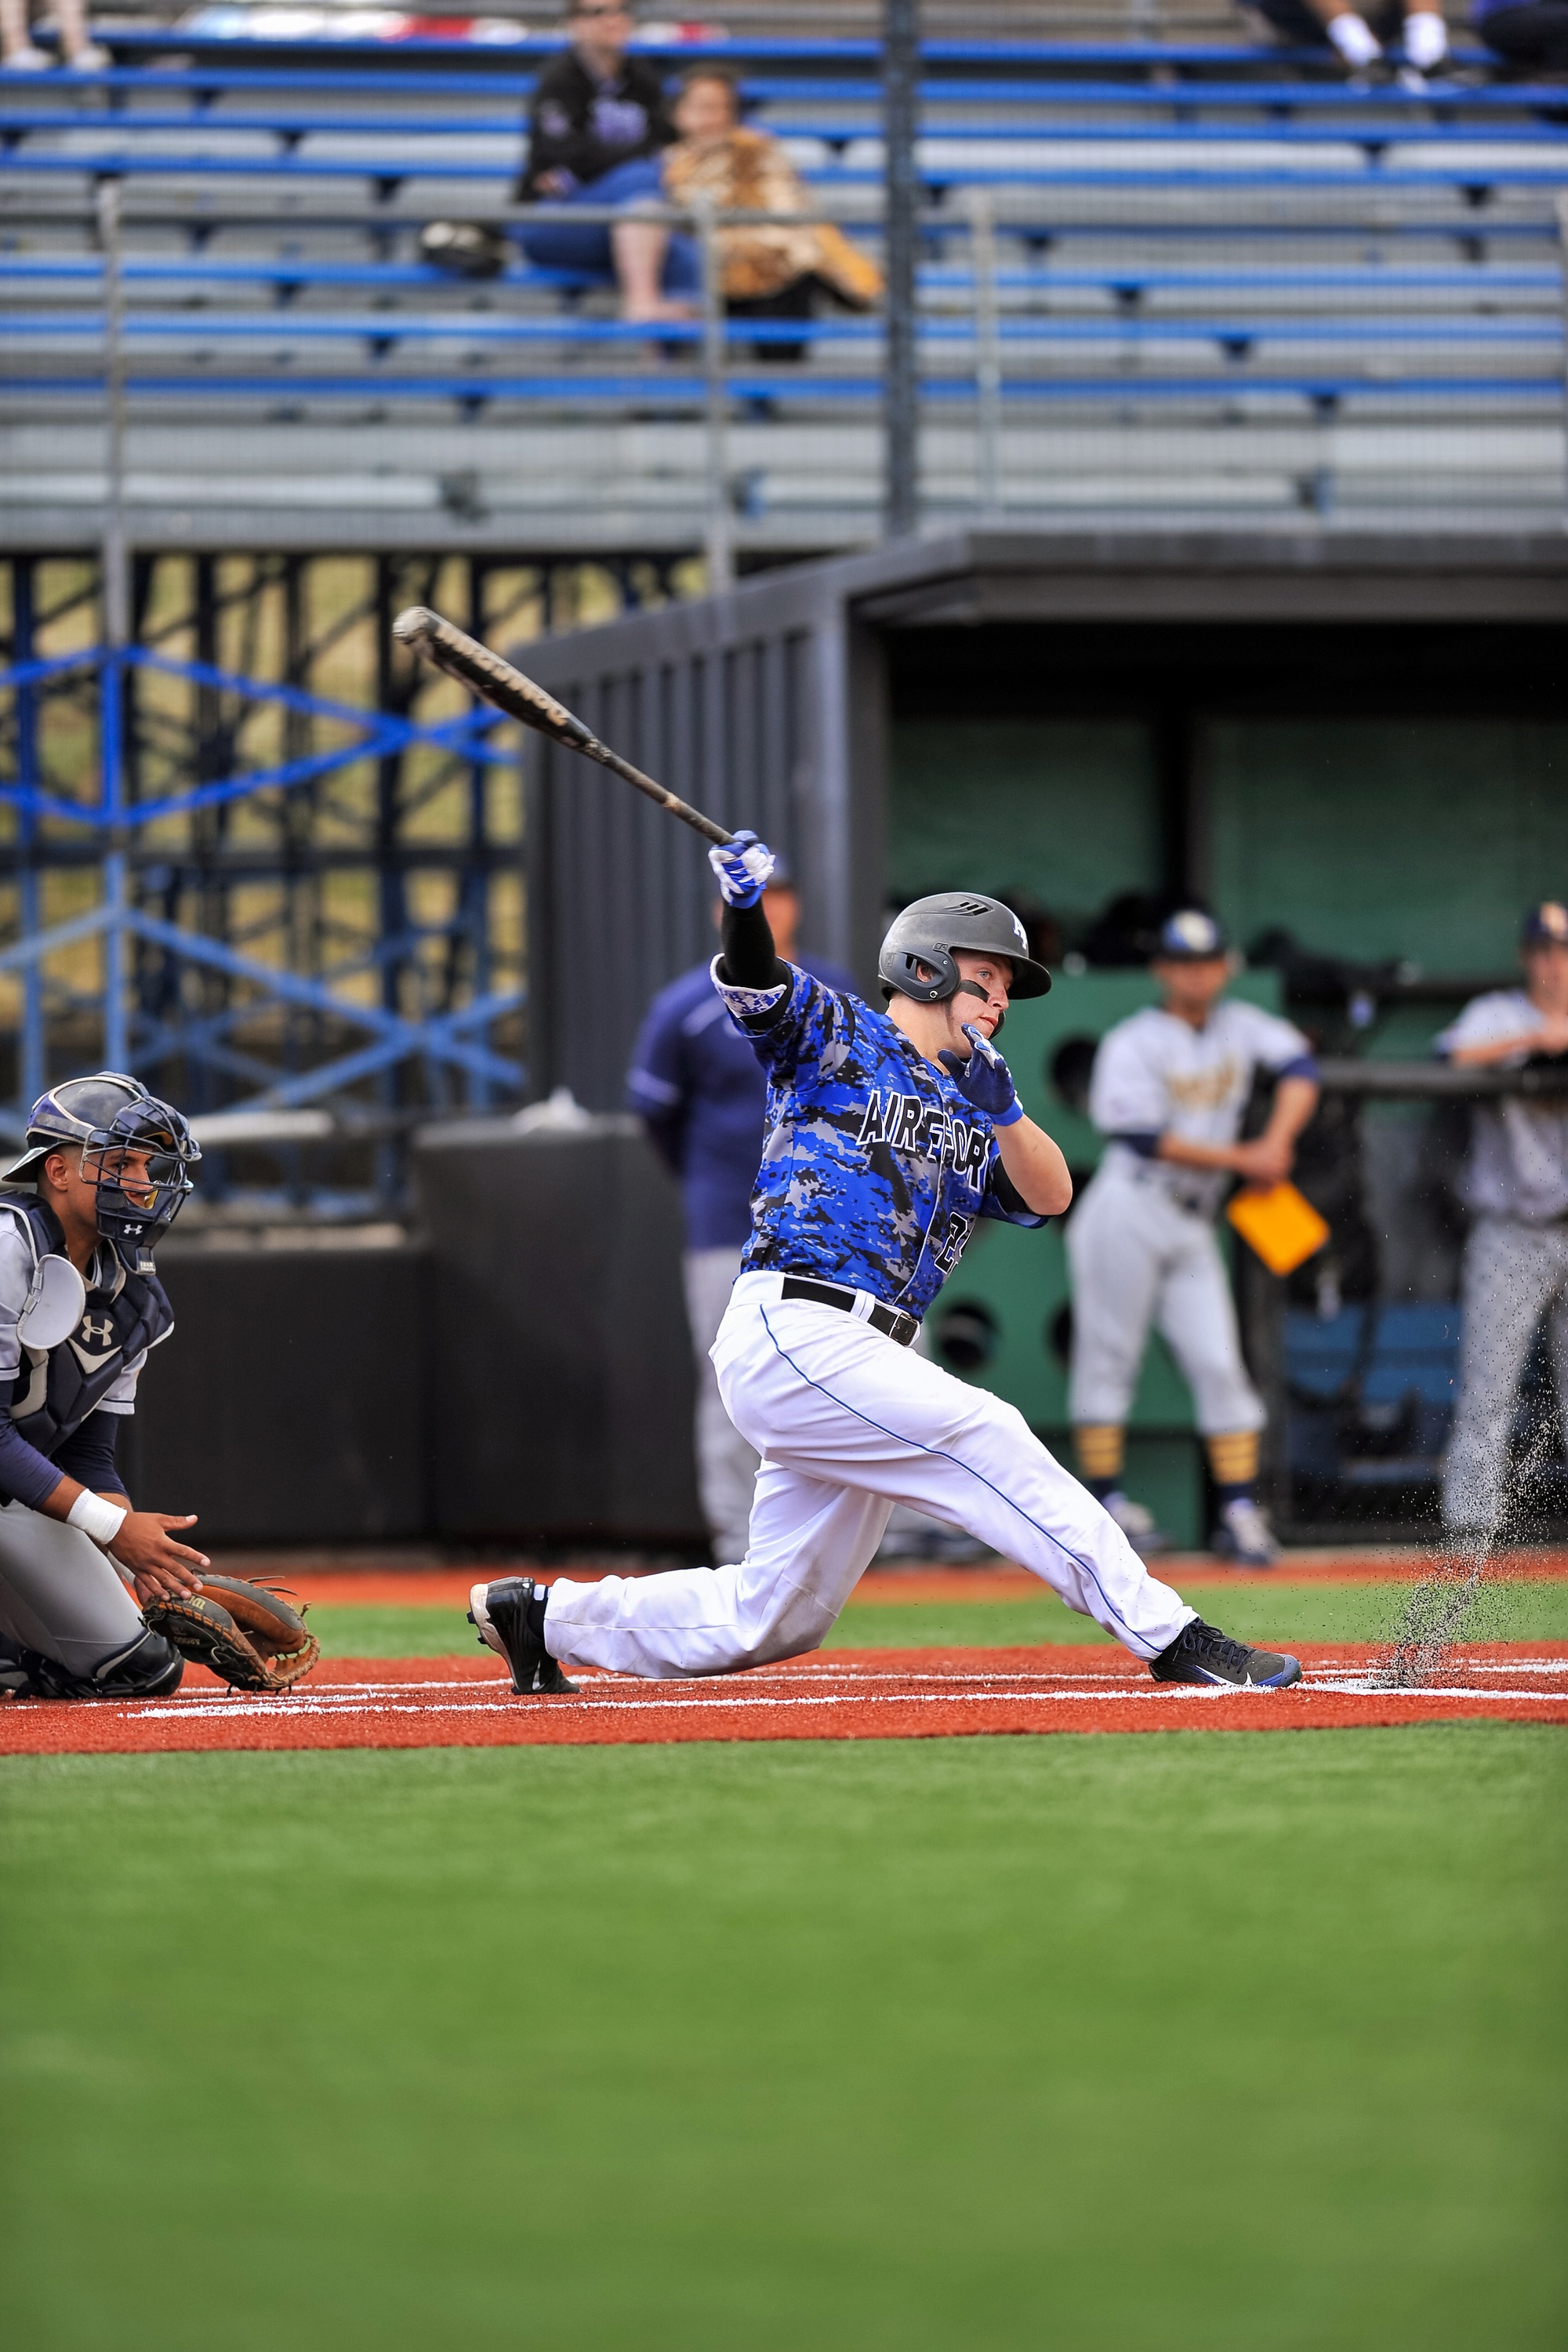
x=1532 y=35
x=1516 y=1187
x=596 y=131
x=20 y=54
x=1413 y=24
x=767 y=272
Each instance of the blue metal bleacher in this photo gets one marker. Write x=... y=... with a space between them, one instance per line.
x=1189 y=246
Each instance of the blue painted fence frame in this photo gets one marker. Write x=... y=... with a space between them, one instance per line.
x=451 y=1040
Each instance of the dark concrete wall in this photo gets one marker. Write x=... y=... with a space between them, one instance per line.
x=563 y=1396
x=521 y=1376
x=289 y=1404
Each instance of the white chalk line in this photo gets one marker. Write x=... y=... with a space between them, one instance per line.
x=352 y=1700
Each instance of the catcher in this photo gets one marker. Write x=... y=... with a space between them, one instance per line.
x=98 y=1599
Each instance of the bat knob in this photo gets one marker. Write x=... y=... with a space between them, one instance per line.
x=414 y=627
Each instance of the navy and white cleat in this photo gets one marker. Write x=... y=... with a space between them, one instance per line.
x=1202 y=1653
x=499 y=1613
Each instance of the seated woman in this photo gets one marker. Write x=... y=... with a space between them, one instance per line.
x=767 y=272
x=594 y=132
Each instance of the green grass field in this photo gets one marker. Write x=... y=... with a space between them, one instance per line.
x=1254 y=1611
x=1120 y=2043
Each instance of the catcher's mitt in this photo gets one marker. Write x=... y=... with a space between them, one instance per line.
x=244 y=1634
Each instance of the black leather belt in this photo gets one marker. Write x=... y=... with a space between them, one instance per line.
x=900 y=1328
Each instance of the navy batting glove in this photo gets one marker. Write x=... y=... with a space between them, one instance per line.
x=742 y=867
x=984 y=1079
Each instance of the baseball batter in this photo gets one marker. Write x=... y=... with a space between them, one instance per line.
x=1516 y=1185
x=888 y=1135
x=1169 y=1088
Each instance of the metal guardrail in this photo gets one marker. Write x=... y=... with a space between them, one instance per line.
x=1441 y=1081
x=1128 y=354
x=984 y=350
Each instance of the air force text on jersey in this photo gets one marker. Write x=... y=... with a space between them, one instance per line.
x=875 y=1168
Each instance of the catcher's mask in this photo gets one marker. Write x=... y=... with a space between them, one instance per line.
x=115 y=1119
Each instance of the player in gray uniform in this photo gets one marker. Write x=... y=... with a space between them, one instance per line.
x=890 y=1134
x=105 y=1170
x=1168 y=1089
x=1516 y=1186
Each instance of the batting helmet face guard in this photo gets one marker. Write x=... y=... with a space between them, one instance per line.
x=136 y=1150
x=922 y=941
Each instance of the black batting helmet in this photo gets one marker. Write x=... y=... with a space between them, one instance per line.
x=928 y=932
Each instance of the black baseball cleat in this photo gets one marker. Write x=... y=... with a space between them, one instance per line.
x=502 y=1612
x=1202 y=1653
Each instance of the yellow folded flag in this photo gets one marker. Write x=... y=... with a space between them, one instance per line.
x=1280 y=1225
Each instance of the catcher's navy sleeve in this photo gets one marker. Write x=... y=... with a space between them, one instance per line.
x=25 y=1475
x=87 y=1456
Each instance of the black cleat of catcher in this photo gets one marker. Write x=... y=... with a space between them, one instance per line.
x=502 y=1613
x=1202 y=1653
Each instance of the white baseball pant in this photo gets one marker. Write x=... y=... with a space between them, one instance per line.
x=1137 y=1258
x=1514 y=1273
x=849 y=1422
x=60 y=1595
x=726 y=1465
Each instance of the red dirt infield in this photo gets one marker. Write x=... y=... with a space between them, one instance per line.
x=374 y=1586
x=842 y=1695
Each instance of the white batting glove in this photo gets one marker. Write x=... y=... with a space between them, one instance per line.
x=743 y=867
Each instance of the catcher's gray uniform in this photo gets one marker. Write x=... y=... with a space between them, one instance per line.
x=1141 y=1244
x=1516 y=1263
x=60 y=1594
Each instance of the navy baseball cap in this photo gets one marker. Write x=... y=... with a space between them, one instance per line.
x=1190 y=935
x=1546 y=924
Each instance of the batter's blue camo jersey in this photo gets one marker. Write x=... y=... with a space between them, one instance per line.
x=874 y=1166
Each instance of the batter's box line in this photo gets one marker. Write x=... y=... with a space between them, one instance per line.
x=220 y=1711
x=535 y=1708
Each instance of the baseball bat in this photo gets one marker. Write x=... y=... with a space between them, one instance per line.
x=486 y=675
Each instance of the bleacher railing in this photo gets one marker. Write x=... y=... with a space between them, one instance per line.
x=1154 y=282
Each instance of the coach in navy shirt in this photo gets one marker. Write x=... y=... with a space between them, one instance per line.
x=698 y=1088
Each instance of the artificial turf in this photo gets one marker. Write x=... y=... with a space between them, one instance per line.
x=1255 y=1610
x=1111 y=2044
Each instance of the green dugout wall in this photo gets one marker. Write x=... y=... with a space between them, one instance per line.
x=1418 y=838
x=1361 y=741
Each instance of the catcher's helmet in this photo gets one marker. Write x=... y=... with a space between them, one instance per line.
x=927 y=933
x=112 y=1117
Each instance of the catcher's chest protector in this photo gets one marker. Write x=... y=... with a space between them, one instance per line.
x=54 y=1392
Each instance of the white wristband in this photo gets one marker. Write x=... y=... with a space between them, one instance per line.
x=100 y=1521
